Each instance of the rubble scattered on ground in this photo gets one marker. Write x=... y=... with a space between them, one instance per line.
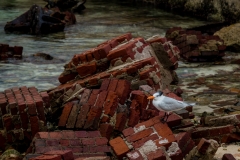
x=100 y=110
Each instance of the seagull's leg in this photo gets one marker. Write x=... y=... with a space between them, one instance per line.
x=162 y=119
x=168 y=114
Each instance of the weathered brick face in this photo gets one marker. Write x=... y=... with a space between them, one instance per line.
x=70 y=144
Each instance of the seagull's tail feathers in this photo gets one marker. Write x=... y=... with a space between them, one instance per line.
x=189 y=103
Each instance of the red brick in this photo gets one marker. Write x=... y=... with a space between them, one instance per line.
x=101 y=98
x=217 y=131
x=185 y=142
x=105 y=84
x=81 y=134
x=105 y=119
x=82 y=115
x=88 y=141
x=134 y=155
x=203 y=146
x=123 y=90
x=119 y=147
x=65 y=114
x=124 y=37
x=121 y=120
x=64 y=142
x=103 y=50
x=56 y=135
x=40 y=110
x=68 y=134
x=165 y=132
x=40 y=142
x=113 y=84
x=66 y=155
x=42 y=135
x=95 y=149
x=95 y=54
x=76 y=149
x=106 y=130
x=111 y=103
x=94 y=134
x=228 y=156
x=13 y=108
x=34 y=125
x=101 y=141
x=89 y=56
x=82 y=57
x=84 y=97
x=45 y=98
x=141 y=142
x=200 y=132
x=128 y=131
x=32 y=110
x=64 y=78
x=173 y=119
x=8 y=123
x=156 y=155
x=87 y=69
x=73 y=116
x=93 y=97
x=75 y=142
x=3 y=104
x=132 y=70
x=52 y=142
x=145 y=73
x=47 y=157
x=162 y=40
x=121 y=51
x=139 y=135
x=93 y=118
x=134 y=117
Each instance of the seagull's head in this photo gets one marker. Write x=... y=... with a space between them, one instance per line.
x=155 y=95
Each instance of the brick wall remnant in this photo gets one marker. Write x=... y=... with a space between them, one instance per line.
x=7 y=51
x=195 y=46
x=22 y=114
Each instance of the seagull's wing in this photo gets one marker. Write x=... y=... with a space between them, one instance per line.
x=170 y=104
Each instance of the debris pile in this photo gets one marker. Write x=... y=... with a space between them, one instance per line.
x=7 y=51
x=195 y=46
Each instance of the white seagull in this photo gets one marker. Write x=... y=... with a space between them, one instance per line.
x=166 y=104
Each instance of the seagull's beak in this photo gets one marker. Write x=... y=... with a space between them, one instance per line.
x=151 y=97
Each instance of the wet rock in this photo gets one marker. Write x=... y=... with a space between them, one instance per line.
x=194 y=46
x=230 y=36
x=43 y=55
x=38 y=20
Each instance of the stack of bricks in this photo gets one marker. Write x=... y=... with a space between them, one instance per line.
x=114 y=106
x=80 y=143
x=7 y=51
x=22 y=114
x=151 y=140
x=121 y=57
x=195 y=46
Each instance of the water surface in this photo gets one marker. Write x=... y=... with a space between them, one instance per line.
x=102 y=20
